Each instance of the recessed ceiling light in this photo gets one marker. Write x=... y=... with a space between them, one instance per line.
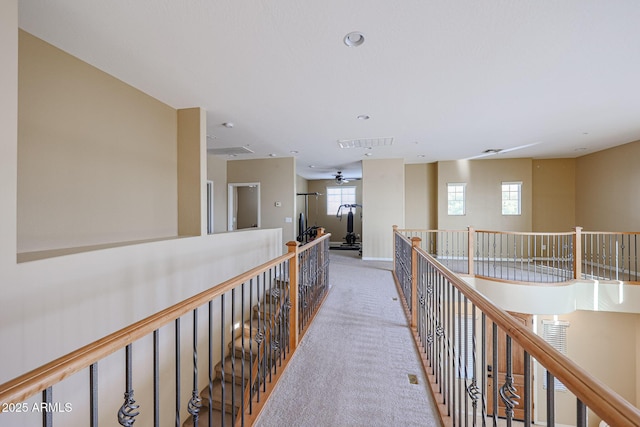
x=227 y=125
x=312 y=166
x=293 y=152
x=581 y=149
x=368 y=154
x=421 y=155
x=354 y=39
x=364 y=117
x=273 y=155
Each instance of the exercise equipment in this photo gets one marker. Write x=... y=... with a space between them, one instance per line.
x=306 y=233
x=351 y=237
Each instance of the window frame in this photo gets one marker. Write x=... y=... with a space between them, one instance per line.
x=450 y=185
x=510 y=192
x=342 y=197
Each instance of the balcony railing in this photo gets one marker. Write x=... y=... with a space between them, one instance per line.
x=240 y=336
x=469 y=348
x=534 y=257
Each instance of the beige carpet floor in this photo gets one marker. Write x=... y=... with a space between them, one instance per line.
x=352 y=367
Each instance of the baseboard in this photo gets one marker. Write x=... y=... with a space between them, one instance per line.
x=376 y=259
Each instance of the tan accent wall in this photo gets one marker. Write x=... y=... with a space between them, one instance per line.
x=421 y=196
x=616 y=367
x=217 y=172
x=483 y=194
x=277 y=178
x=318 y=210
x=607 y=190
x=192 y=157
x=554 y=195
x=97 y=158
x=382 y=204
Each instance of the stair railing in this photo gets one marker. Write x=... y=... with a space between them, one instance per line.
x=536 y=257
x=460 y=333
x=240 y=336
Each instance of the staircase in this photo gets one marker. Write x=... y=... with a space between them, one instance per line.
x=248 y=361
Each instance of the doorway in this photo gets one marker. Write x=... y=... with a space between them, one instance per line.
x=244 y=206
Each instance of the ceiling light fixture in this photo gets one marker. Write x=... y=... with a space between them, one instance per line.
x=273 y=155
x=364 y=117
x=293 y=152
x=228 y=125
x=354 y=39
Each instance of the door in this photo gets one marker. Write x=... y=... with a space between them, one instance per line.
x=496 y=377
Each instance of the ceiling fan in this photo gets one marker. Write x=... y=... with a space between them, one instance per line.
x=493 y=151
x=340 y=179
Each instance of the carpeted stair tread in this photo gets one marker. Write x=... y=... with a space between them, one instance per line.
x=229 y=374
x=203 y=419
x=216 y=396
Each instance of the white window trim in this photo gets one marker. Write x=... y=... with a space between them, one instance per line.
x=519 y=183
x=464 y=198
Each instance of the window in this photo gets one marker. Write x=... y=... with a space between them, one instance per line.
x=337 y=196
x=511 y=196
x=455 y=198
x=555 y=333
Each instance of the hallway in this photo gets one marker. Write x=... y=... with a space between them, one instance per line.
x=352 y=367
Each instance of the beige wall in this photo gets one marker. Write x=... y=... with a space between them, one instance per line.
x=483 y=194
x=383 y=206
x=318 y=210
x=43 y=301
x=8 y=136
x=217 y=172
x=76 y=126
x=607 y=190
x=192 y=172
x=277 y=178
x=421 y=196
x=554 y=195
x=588 y=332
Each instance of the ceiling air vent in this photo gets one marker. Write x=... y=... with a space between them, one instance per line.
x=229 y=151
x=365 y=142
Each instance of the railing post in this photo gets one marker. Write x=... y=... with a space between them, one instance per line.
x=395 y=230
x=577 y=253
x=470 y=244
x=415 y=242
x=293 y=297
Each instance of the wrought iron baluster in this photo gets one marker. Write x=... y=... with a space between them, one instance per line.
x=193 y=407
x=232 y=356
x=93 y=395
x=47 y=416
x=223 y=388
x=129 y=410
x=551 y=410
x=156 y=378
x=494 y=371
x=508 y=392
x=581 y=414
x=210 y=367
x=178 y=385
x=483 y=373
x=527 y=389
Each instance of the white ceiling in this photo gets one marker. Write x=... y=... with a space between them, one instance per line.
x=446 y=79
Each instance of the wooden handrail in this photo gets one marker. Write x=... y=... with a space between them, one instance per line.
x=606 y=403
x=30 y=383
